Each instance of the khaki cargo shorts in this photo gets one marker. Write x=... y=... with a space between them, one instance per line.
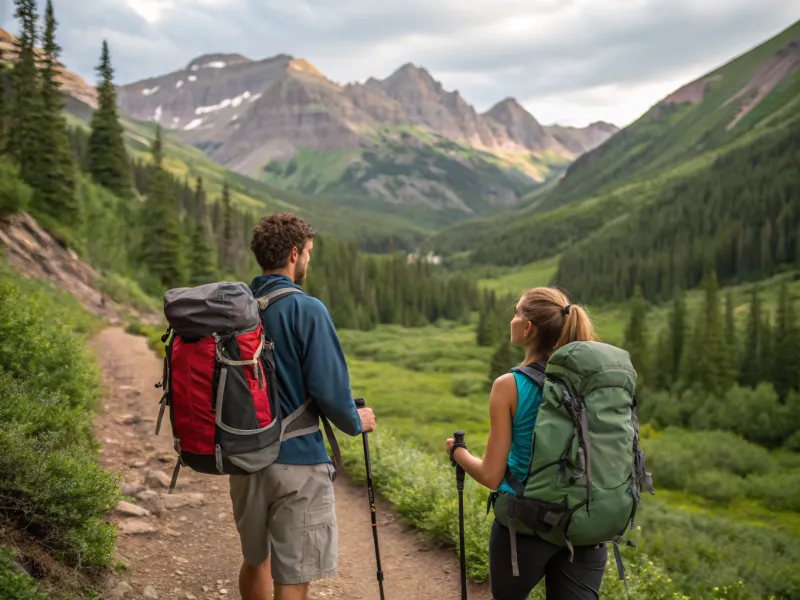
x=287 y=512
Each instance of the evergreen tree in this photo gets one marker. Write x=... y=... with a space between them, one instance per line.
x=731 y=339
x=163 y=240
x=203 y=259
x=677 y=333
x=636 y=334
x=25 y=134
x=108 y=159
x=226 y=240
x=502 y=360
x=56 y=194
x=786 y=355
x=751 y=367
x=767 y=347
x=715 y=362
x=662 y=368
x=484 y=331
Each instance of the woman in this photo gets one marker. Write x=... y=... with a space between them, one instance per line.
x=543 y=322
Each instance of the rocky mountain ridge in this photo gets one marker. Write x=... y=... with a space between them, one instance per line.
x=246 y=113
x=71 y=83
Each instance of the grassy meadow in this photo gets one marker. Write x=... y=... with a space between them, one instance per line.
x=722 y=523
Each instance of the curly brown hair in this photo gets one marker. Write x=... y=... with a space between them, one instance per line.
x=274 y=236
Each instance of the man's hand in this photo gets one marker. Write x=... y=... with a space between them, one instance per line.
x=367 y=419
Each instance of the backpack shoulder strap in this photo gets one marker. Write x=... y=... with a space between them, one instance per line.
x=534 y=371
x=271 y=298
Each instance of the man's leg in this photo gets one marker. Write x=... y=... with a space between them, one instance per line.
x=291 y=592
x=250 y=496
x=302 y=526
x=255 y=581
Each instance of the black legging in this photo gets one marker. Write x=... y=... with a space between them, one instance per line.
x=564 y=580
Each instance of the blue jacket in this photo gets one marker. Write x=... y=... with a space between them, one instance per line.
x=310 y=362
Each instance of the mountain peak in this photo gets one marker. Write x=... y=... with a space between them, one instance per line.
x=508 y=109
x=301 y=65
x=216 y=61
x=410 y=75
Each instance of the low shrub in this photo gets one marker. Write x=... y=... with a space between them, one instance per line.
x=50 y=483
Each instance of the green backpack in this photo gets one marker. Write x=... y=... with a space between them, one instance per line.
x=586 y=470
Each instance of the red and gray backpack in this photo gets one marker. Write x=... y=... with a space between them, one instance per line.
x=220 y=383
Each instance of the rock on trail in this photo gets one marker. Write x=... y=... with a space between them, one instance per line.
x=184 y=546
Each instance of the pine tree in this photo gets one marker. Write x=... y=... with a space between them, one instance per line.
x=677 y=333
x=163 y=240
x=108 y=159
x=502 y=360
x=662 y=368
x=226 y=253
x=714 y=365
x=731 y=340
x=25 y=134
x=751 y=367
x=636 y=334
x=786 y=356
x=767 y=346
x=56 y=194
x=203 y=260
x=484 y=334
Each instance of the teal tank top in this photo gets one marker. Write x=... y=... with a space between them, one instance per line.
x=529 y=397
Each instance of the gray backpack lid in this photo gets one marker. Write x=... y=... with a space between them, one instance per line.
x=221 y=307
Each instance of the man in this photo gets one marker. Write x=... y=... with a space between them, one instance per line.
x=284 y=513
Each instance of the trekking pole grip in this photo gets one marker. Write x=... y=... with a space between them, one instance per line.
x=360 y=403
x=458 y=436
x=458 y=442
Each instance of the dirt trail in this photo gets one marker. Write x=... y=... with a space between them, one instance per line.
x=186 y=547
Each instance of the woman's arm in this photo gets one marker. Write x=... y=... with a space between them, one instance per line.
x=489 y=472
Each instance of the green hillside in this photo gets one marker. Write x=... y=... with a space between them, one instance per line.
x=412 y=172
x=740 y=218
x=673 y=141
x=376 y=232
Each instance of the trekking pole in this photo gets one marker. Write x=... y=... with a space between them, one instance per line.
x=361 y=404
x=459 y=441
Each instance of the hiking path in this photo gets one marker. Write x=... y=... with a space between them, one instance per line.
x=184 y=545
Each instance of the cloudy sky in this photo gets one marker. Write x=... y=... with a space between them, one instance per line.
x=566 y=61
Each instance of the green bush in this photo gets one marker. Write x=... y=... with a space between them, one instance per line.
x=675 y=456
x=50 y=482
x=41 y=340
x=14 y=194
x=461 y=387
x=15 y=585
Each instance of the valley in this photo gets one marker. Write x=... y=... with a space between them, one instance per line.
x=404 y=140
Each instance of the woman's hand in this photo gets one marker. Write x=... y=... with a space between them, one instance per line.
x=448 y=445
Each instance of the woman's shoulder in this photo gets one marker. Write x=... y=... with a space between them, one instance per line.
x=505 y=386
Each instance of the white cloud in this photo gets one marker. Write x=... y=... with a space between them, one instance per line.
x=150 y=10
x=571 y=61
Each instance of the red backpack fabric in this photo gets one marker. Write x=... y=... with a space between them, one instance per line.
x=220 y=384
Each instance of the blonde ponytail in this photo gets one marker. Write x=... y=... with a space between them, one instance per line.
x=557 y=321
x=577 y=327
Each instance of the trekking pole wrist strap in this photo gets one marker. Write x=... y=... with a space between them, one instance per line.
x=453 y=450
